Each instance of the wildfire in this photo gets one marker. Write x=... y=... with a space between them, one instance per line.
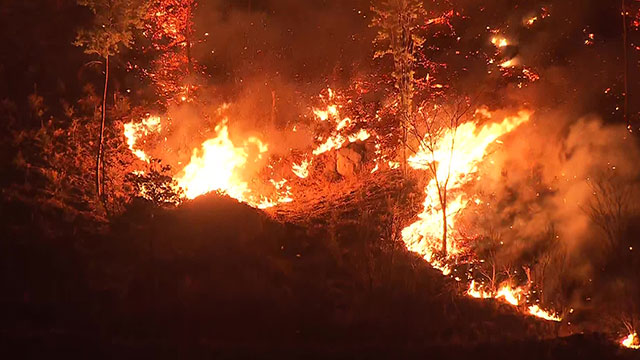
x=459 y=166
x=324 y=115
x=134 y=131
x=215 y=167
x=301 y=170
x=220 y=165
x=499 y=42
x=512 y=296
x=509 y=294
x=632 y=341
x=535 y=310
x=338 y=138
x=478 y=293
x=456 y=157
x=508 y=63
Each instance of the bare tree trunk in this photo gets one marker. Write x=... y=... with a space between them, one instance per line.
x=101 y=140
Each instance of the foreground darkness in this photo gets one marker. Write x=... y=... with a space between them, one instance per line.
x=217 y=278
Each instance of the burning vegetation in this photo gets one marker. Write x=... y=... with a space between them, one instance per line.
x=493 y=143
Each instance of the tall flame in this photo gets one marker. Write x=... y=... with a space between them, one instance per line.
x=133 y=132
x=632 y=341
x=220 y=165
x=215 y=167
x=459 y=165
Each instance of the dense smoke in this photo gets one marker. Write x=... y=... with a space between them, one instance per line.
x=268 y=61
x=539 y=191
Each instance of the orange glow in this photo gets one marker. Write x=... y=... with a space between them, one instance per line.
x=531 y=21
x=301 y=170
x=338 y=138
x=471 y=142
x=499 y=42
x=134 y=132
x=478 y=293
x=220 y=165
x=508 y=63
x=214 y=168
x=509 y=294
x=324 y=115
x=535 y=310
x=632 y=341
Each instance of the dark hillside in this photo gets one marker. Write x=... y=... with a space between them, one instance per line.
x=216 y=276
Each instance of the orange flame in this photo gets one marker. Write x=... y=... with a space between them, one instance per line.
x=135 y=131
x=219 y=165
x=535 y=310
x=459 y=166
x=214 y=168
x=632 y=341
x=337 y=139
x=499 y=42
x=509 y=294
x=301 y=170
x=478 y=293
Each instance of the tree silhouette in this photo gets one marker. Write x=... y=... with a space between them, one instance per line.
x=113 y=27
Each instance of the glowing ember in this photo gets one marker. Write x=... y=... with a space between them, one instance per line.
x=508 y=63
x=301 y=170
x=337 y=139
x=509 y=294
x=393 y=164
x=535 y=310
x=285 y=195
x=477 y=293
x=500 y=42
x=632 y=341
x=324 y=115
x=135 y=131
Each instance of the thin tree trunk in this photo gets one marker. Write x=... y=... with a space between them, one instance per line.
x=101 y=141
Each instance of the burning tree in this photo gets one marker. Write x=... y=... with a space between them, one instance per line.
x=403 y=26
x=399 y=23
x=113 y=25
x=449 y=149
x=170 y=30
x=435 y=131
